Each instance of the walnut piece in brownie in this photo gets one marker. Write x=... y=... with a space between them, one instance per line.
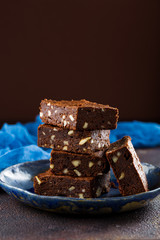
x=78 y=115
x=78 y=165
x=49 y=184
x=71 y=140
x=127 y=167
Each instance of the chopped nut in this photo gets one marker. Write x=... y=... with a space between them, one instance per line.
x=49 y=113
x=65 y=148
x=92 y=141
x=85 y=125
x=65 y=123
x=58 y=146
x=70 y=132
x=77 y=172
x=121 y=176
x=71 y=117
x=99 y=145
x=63 y=117
x=114 y=158
x=90 y=164
x=48 y=104
x=99 y=174
x=71 y=188
x=41 y=114
x=84 y=140
x=65 y=171
x=83 y=190
x=55 y=129
x=99 y=163
x=76 y=163
x=52 y=107
x=102 y=109
x=109 y=123
x=65 y=142
x=52 y=137
x=99 y=191
x=84 y=149
x=38 y=180
x=43 y=133
x=118 y=154
x=81 y=195
x=55 y=111
x=51 y=166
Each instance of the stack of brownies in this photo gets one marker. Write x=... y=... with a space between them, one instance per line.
x=78 y=133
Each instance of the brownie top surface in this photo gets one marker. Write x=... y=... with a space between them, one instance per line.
x=98 y=154
x=50 y=174
x=44 y=125
x=119 y=144
x=76 y=103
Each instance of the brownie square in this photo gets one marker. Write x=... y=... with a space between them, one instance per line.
x=78 y=114
x=126 y=166
x=71 y=140
x=49 y=184
x=78 y=165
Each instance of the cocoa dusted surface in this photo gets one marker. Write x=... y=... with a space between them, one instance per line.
x=18 y=221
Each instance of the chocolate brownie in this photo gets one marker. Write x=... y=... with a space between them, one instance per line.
x=78 y=165
x=72 y=141
x=127 y=167
x=78 y=115
x=89 y=187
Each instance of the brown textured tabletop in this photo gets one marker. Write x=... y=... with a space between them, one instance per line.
x=18 y=221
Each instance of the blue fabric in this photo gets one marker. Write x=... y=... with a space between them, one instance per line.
x=18 y=142
x=143 y=134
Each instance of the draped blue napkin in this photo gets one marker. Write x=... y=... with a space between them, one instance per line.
x=18 y=142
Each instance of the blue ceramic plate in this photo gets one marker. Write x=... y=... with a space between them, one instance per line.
x=17 y=181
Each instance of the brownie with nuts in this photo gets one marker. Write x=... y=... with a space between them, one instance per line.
x=78 y=114
x=126 y=166
x=72 y=140
x=78 y=165
x=49 y=184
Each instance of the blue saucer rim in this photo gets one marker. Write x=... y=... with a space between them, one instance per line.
x=125 y=198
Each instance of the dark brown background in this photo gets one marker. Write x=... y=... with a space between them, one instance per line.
x=105 y=51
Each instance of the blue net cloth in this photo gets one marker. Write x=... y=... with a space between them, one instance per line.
x=18 y=142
